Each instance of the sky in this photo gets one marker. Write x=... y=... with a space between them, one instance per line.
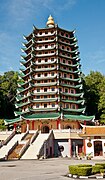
x=87 y=17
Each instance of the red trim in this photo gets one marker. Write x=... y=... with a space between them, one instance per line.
x=14 y=126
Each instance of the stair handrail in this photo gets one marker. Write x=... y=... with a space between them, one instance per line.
x=9 y=138
x=41 y=151
x=34 y=137
x=24 y=148
x=27 y=132
x=11 y=149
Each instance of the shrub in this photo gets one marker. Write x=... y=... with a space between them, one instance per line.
x=84 y=165
x=84 y=171
x=96 y=168
x=80 y=170
x=102 y=164
x=73 y=169
x=102 y=170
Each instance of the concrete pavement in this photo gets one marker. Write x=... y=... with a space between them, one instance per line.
x=49 y=169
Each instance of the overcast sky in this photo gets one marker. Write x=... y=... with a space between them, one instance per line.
x=17 y=17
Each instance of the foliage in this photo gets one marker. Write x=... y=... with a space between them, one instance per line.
x=102 y=170
x=96 y=168
x=73 y=169
x=94 y=94
x=84 y=171
x=2 y=125
x=84 y=165
x=101 y=105
x=80 y=170
x=102 y=164
x=8 y=86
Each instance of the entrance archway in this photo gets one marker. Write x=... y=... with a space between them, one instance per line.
x=67 y=127
x=45 y=129
x=98 y=151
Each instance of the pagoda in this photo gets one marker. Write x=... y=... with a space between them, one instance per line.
x=50 y=90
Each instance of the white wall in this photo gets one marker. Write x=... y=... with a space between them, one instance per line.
x=91 y=149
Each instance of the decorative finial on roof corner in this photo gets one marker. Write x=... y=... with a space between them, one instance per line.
x=50 y=22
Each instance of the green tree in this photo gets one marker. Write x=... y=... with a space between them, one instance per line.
x=92 y=83
x=8 y=86
x=101 y=105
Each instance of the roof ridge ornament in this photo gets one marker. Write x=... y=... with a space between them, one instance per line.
x=50 y=22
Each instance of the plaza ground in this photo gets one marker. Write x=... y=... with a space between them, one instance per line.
x=48 y=169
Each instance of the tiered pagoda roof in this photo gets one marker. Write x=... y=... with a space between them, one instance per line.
x=50 y=75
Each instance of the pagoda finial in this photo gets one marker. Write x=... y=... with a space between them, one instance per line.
x=50 y=22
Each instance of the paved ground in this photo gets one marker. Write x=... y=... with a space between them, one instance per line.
x=49 y=169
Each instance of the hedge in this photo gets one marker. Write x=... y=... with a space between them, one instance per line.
x=84 y=171
x=73 y=169
x=102 y=170
x=96 y=168
x=84 y=165
x=102 y=164
x=80 y=170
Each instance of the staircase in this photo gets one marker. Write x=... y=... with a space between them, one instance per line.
x=15 y=153
x=34 y=148
x=6 y=148
x=23 y=144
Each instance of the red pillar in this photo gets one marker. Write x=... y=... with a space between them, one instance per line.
x=32 y=125
x=14 y=126
x=58 y=123
x=84 y=122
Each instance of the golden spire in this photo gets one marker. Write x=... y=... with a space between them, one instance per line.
x=50 y=22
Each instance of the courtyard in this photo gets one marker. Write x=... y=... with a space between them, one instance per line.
x=48 y=169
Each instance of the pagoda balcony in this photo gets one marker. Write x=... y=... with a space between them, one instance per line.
x=28 y=44
x=17 y=113
x=67 y=57
x=22 y=62
x=73 y=110
x=69 y=79
x=72 y=102
x=45 y=63
x=69 y=38
x=43 y=48
x=45 y=41
x=18 y=105
x=24 y=83
x=43 y=109
x=21 y=90
x=71 y=94
x=46 y=35
x=28 y=38
x=72 y=45
x=24 y=70
x=44 y=77
x=44 y=93
x=45 y=55
x=71 y=86
x=70 y=65
x=21 y=98
x=44 y=84
x=69 y=51
x=44 y=69
x=65 y=70
x=44 y=100
x=27 y=58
